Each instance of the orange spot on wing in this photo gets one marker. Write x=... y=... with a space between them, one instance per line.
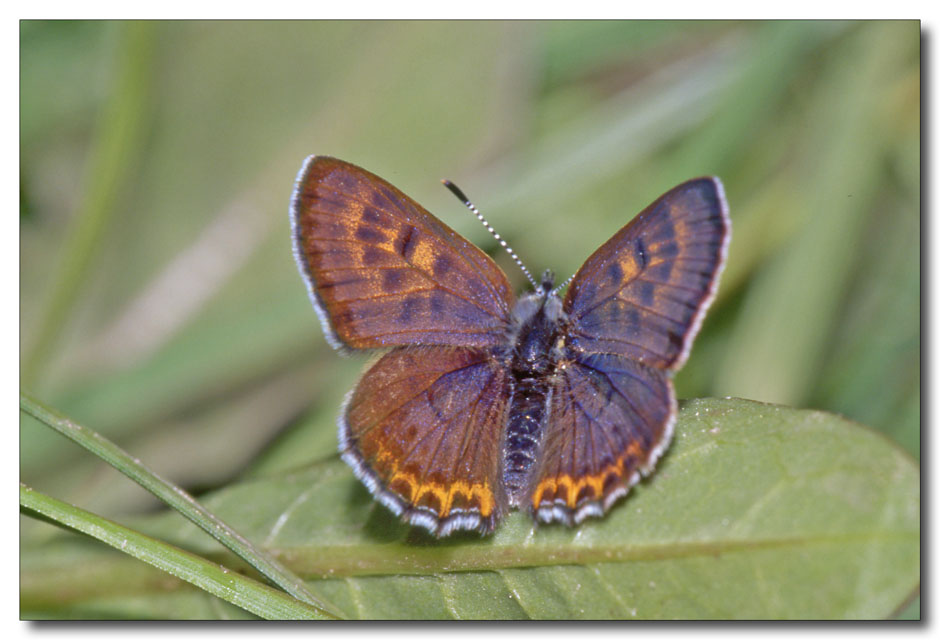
x=571 y=486
x=479 y=495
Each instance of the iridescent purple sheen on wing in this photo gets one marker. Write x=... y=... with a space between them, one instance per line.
x=422 y=430
x=610 y=418
x=643 y=293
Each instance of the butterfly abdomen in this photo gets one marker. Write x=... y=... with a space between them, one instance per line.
x=532 y=359
x=523 y=435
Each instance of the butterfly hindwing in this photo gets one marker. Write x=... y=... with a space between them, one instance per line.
x=610 y=418
x=382 y=271
x=422 y=430
x=644 y=292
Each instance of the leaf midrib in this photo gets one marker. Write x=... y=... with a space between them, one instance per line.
x=344 y=561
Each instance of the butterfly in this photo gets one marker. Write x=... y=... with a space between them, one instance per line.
x=480 y=402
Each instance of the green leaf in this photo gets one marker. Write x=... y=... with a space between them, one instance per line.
x=172 y=495
x=757 y=511
x=218 y=580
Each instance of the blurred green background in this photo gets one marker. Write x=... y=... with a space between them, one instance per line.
x=159 y=300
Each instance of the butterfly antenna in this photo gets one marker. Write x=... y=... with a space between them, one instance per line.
x=463 y=198
x=563 y=284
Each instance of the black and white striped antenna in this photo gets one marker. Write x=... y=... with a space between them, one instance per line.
x=563 y=284
x=463 y=198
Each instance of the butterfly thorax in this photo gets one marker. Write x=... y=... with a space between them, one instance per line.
x=533 y=354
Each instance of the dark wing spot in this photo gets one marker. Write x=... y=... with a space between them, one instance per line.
x=371 y=215
x=325 y=285
x=632 y=318
x=584 y=494
x=668 y=250
x=402 y=487
x=615 y=272
x=611 y=480
x=409 y=307
x=407 y=242
x=369 y=234
x=432 y=500
x=411 y=469
x=640 y=252
x=391 y=279
x=676 y=340
x=442 y=264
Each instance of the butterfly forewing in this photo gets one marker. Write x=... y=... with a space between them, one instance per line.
x=382 y=271
x=422 y=430
x=610 y=417
x=644 y=292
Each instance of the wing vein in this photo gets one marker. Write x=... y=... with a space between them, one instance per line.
x=622 y=341
x=412 y=398
x=436 y=283
x=427 y=222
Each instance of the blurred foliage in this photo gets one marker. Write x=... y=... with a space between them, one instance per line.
x=727 y=509
x=159 y=300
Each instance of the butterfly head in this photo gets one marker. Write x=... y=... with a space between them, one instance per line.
x=548 y=280
x=536 y=322
x=543 y=300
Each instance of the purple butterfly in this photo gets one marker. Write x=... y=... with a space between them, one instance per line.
x=482 y=402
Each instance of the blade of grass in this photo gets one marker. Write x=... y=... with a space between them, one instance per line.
x=776 y=53
x=172 y=495
x=119 y=132
x=230 y=586
x=791 y=309
x=618 y=131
